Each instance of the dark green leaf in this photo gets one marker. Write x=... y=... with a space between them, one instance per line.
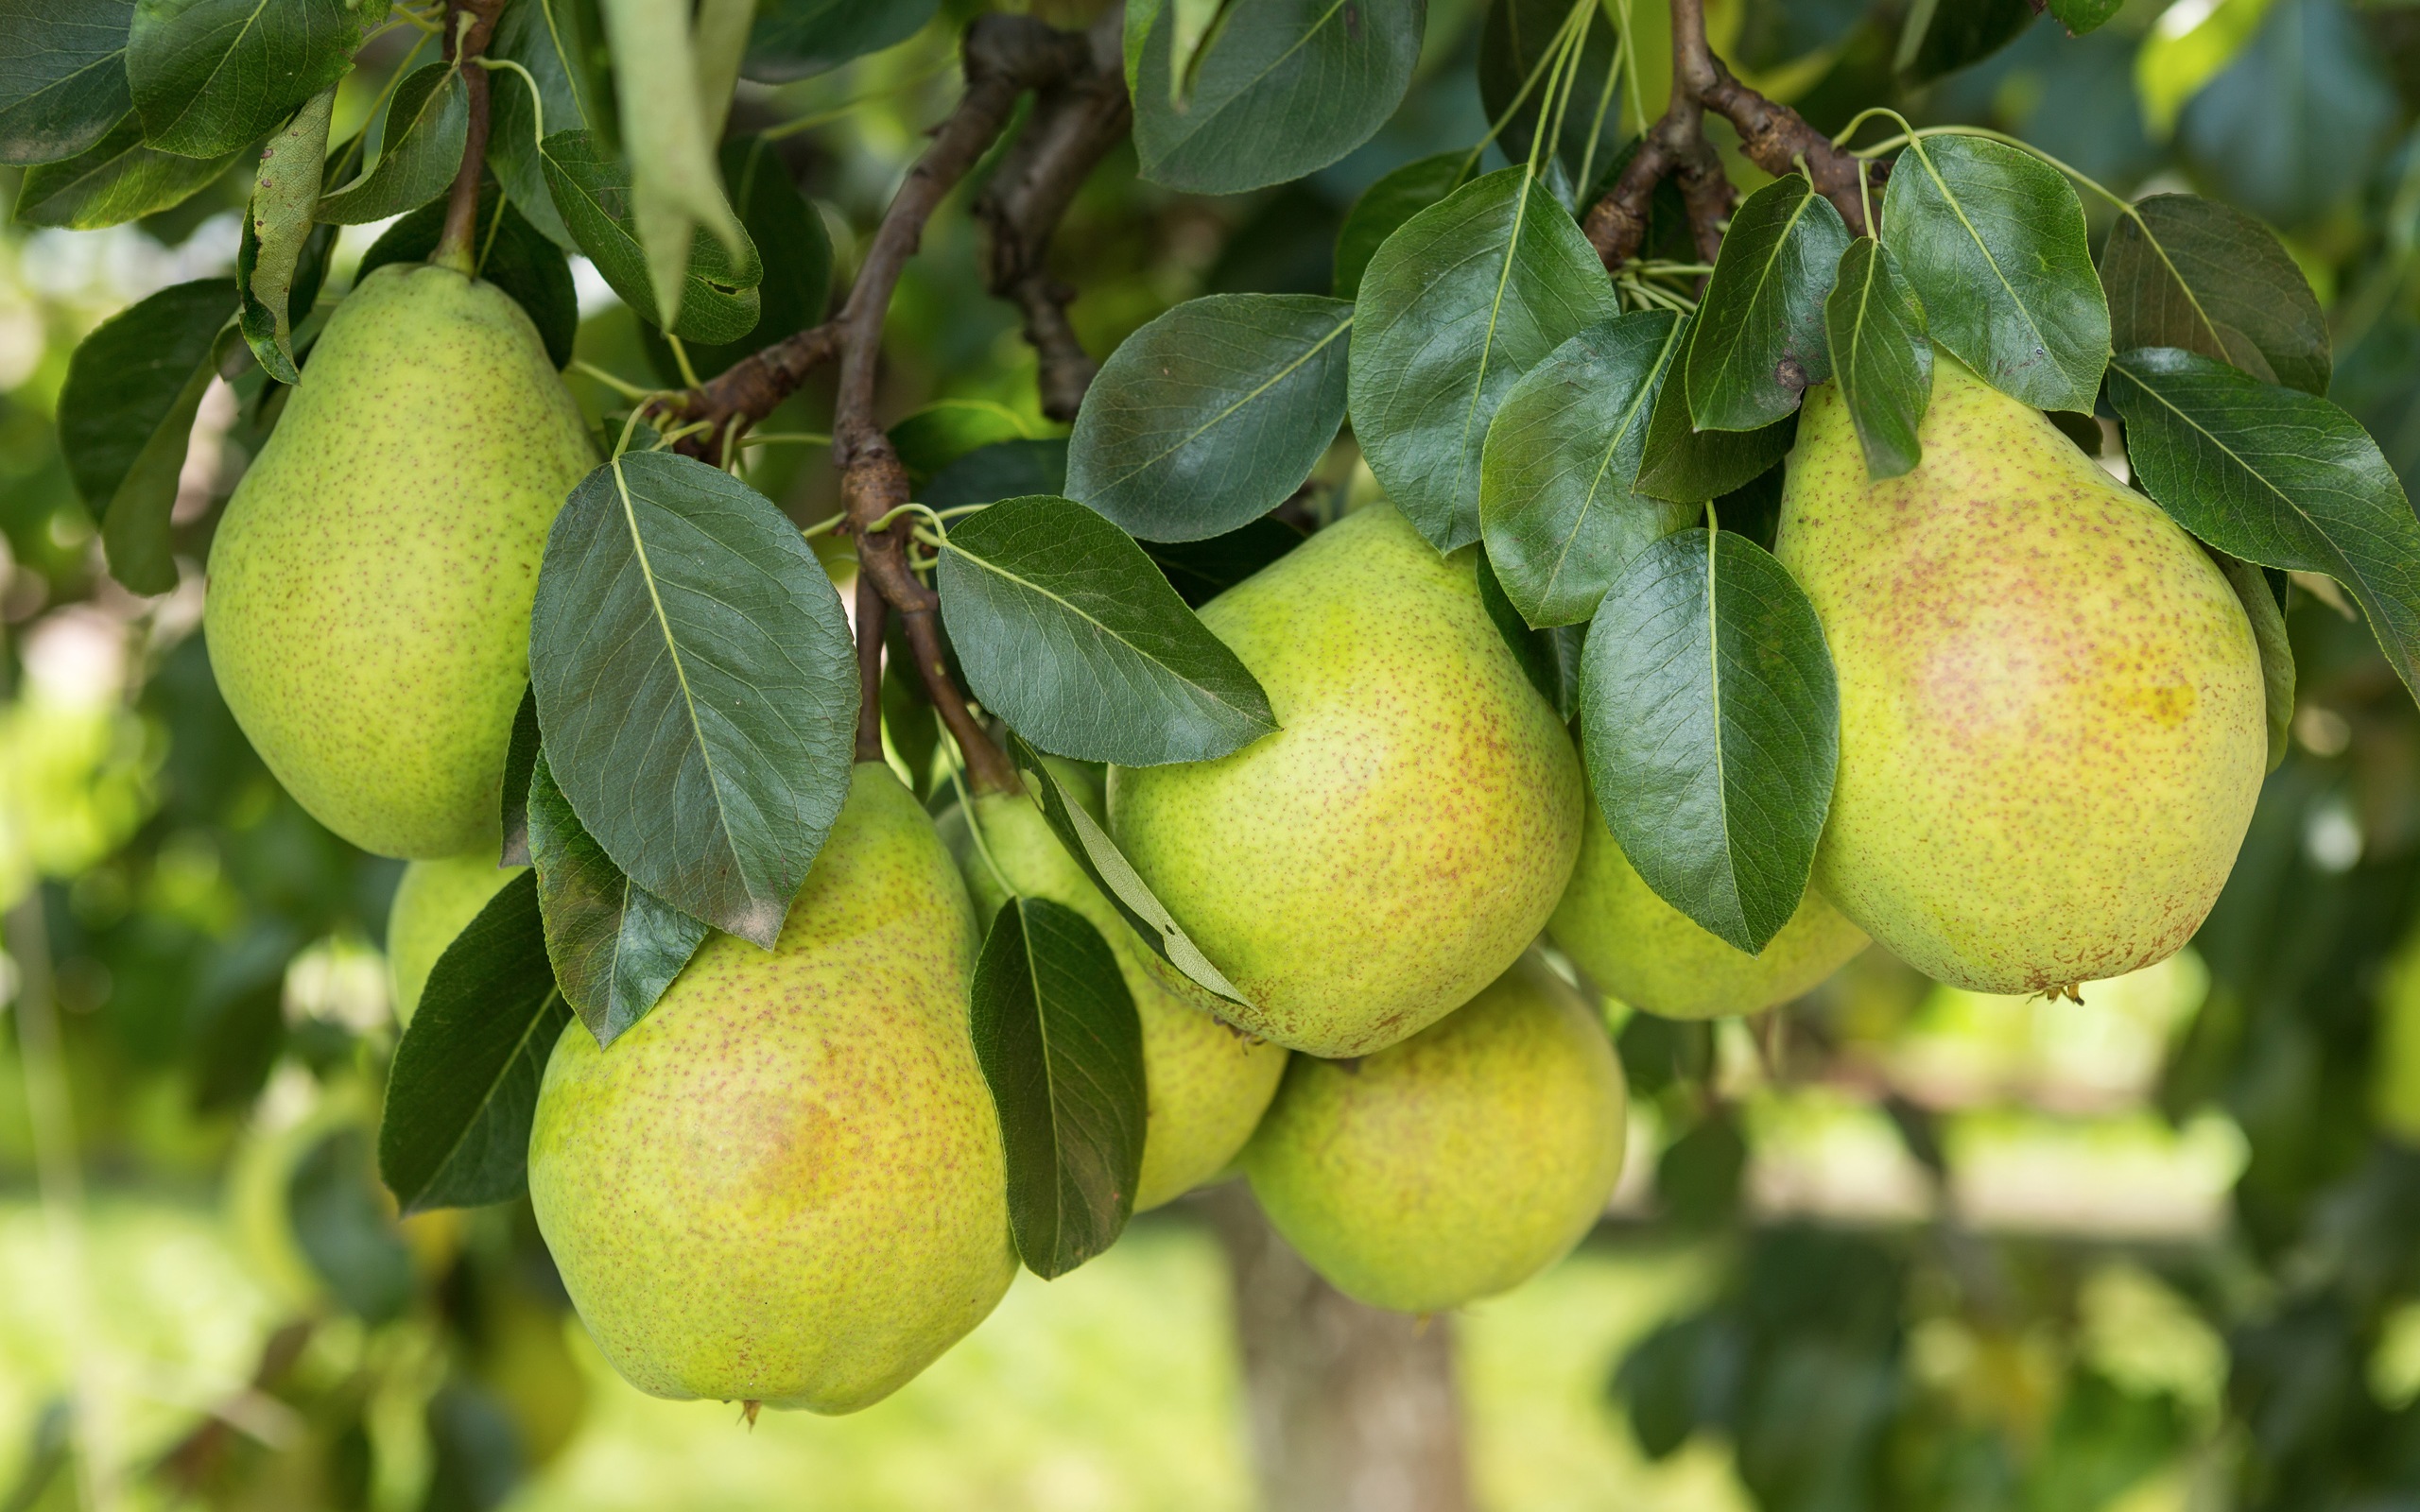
x=1880 y=355
x=513 y=255
x=697 y=686
x=278 y=234
x=1278 y=88
x=1690 y=466
x=797 y=283
x=1211 y=415
x=1759 y=339
x=2188 y=272
x=2268 y=618
x=795 y=37
x=419 y=155
x=1957 y=33
x=1068 y=633
x=1550 y=659
x=1061 y=1046
x=116 y=179
x=212 y=77
x=547 y=37
x=343 y=1229
x=1386 y=205
x=520 y=767
x=1005 y=470
x=591 y=191
x=931 y=438
x=2275 y=476
x=1711 y=726
x=2080 y=16
x=1556 y=505
x=2295 y=125
x=63 y=76
x=1465 y=297
x=1514 y=43
x=614 y=945
x=1992 y=240
x=1200 y=571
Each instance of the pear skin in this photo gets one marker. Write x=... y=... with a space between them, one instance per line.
x=1649 y=954
x=369 y=587
x=1206 y=1084
x=1401 y=840
x=786 y=1185
x=2052 y=729
x=1456 y=1164
x=433 y=901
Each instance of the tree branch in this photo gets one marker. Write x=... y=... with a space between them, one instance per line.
x=464 y=42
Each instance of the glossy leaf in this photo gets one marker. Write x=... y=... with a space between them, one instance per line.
x=116 y=179
x=1556 y=507
x=1466 y=297
x=550 y=40
x=795 y=37
x=1211 y=415
x=2279 y=477
x=1397 y=197
x=2188 y=272
x=1200 y=571
x=63 y=76
x=1759 y=332
x=1068 y=633
x=592 y=191
x=277 y=230
x=1061 y=1046
x=1992 y=240
x=697 y=686
x=1710 y=722
x=421 y=150
x=212 y=77
x=1690 y=466
x=464 y=1086
x=520 y=767
x=1880 y=355
x=796 y=286
x=515 y=257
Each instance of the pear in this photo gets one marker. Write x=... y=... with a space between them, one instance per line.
x=369 y=587
x=1398 y=843
x=784 y=1184
x=1456 y=1164
x=1206 y=1085
x=2052 y=729
x=434 y=902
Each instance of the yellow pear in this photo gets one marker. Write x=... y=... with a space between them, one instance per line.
x=1652 y=955
x=369 y=587
x=1402 y=838
x=1206 y=1083
x=1456 y=1164
x=433 y=901
x=786 y=1185
x=2052 y=729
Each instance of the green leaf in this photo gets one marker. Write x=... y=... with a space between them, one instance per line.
x=674 y=188
x=1061 y=1046
x=1992 y=240
x=614 y=945
x=63 y=76
x=931 y=438
x=2260 y=605
x=1107 y=869
x=1956 y=34
x=116 y=179
x=464 y=1084
x=1212 y=415
x=797 y=282
x=2187 y=272
x=1386 y=205
x=419 y=155
x=1556 y=507
x=697 y=686
x=1513 y=43
x=346 y=1230
x=1278 y=88
x=1690 y=466
x=513 y=255
x=278 y=231
x=1759 y=339
x=1711 y=726
x=1067 y=632
x=794 y=38
x=1200 y=571
x=1470 y=294
x=549 y=38
x=1880 y=355
x=2080 y=16
x=2275 y=476
x=591 y=191
x=1005 y=470
x=1549 y=658
x=210 y=78
x=520 y=769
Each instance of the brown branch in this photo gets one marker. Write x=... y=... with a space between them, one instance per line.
x=462 y=44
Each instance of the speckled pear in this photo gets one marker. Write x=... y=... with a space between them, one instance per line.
x=784 y=1185
x=1402 y=838
x=1206 y=1083
x=1456 y=1164
x=433 y=903
x=369 y=587
x=2051 y=715
x=1652 y=955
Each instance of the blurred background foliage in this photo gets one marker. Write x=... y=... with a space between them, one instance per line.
x=1901 y=1247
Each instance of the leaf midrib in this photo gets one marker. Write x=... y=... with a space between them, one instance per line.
x=486 y=1098
x=1630 y=416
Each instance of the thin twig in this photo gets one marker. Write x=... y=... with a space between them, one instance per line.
x=470 y=24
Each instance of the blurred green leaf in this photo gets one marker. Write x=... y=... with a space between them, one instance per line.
x=343 y=1229
x=592 y=191
x=2295 y=125
x=795 y=37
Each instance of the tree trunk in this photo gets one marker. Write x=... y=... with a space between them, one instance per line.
x=1353 y=1409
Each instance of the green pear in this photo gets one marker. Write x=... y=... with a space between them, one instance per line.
x=1652 y=955
x=1206 y=1085
x=784 y=1184
x=433 y=901
x=369 y=587
x=2052 y=728
x=1456 y=1164
x=1400 y=841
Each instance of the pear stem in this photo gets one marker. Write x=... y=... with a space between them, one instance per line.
x=470 y=24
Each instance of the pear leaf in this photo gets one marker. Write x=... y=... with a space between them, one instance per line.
x=119 y=178
x=1760 y=337
x=1690 y=466
x=591 y=188
x=796 y=283
x=545 y=37
x=63 y=76
x=1003 y=470
x=1549 y=658
x=210 y=78
x=931 y=438
x=2080 y=16
x=697 y=686
x=1067 y=632
x=463 y=1089
x=793 y=39
x=1460 y=301
x=1710 y=721
x=1517 y=56
x=1061 y=1046
x=674 y=185
x=1991 y=241
x=276 y=285
x=1556 y=504
x=2279 y=477
x=2260 y=605
x=1882 y=356
x=427 y=121
x=1387 y=204
x=1212 y=415
x=520 y=767
x=2188 y=272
